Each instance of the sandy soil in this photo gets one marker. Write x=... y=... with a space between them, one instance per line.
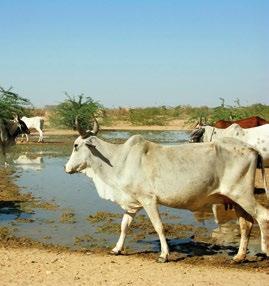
x=41 y=267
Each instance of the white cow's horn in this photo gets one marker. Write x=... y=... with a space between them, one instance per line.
x=95 y=126
x=79 y=129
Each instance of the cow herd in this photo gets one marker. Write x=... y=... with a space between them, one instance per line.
x=141 y=174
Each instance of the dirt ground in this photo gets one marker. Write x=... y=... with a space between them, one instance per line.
x=43 y=267
x=173 y=125
x=25 y=263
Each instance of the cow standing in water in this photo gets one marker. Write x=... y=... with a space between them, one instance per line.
x=9 y=130
x=35 y=122
x=142 y=174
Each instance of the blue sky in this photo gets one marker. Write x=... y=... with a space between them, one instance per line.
x=136 y=53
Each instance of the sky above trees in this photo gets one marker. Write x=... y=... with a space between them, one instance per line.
x=136 y=53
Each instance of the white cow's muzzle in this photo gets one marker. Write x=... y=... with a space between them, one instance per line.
x=76 y=169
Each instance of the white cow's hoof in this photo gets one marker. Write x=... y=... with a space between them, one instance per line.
x=162 y=260
x=239 y=258
x=115 y=252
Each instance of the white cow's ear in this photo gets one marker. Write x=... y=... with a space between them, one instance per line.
x=90 y=143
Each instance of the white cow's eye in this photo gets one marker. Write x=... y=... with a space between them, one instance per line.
x=76 y=147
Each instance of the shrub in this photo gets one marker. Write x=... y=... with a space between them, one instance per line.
x=66 y=112
x=11 y=103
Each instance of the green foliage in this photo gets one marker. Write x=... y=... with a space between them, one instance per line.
x=149 y=116
x=198 y=114
x=11 y=103
x=162 y=115
x=66 y=112
x=227 y=112
x=238 y=112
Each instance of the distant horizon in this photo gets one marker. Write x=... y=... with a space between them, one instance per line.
x=136 y=54
x=167 y=106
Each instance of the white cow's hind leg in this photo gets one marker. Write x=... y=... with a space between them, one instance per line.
x=40 y=139
x=153 y=213
x=263 y=221
x=246 y=223
x=27 y=137
x=125 y=223
x=215 y=213
x=259 y=213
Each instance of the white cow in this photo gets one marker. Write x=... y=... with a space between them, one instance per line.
x=257 y=137
x=35 y=122
x=141 y=174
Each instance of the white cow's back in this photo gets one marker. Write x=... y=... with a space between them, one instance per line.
x=257 y=137
x=33 y=122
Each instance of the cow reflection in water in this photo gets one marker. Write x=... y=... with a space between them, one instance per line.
x=27 y=162
x=227 y=230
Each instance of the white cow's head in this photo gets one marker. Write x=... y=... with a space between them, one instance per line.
x=82 y=150
x=197 y=135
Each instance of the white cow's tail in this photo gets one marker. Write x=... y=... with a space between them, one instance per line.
x=261 y=165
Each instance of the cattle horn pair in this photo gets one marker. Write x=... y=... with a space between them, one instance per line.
x=196 y=135
x=86 y=133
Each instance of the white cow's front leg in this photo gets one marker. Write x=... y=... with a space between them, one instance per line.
x=153 y=213
x=125 y=223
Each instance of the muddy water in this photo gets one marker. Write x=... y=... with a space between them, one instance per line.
x=80 y=219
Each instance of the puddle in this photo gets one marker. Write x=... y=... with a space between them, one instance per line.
x=83 y=220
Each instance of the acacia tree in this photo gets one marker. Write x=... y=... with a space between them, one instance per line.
x=11 y=103
x=66 y=112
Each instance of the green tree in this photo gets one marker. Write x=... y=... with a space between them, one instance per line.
x=66 y=112
x=11 y=103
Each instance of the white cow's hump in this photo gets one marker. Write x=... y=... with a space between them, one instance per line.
x=135 y=139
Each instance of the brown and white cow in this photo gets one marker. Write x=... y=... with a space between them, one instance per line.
x=249 y=122
x=257 y=137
